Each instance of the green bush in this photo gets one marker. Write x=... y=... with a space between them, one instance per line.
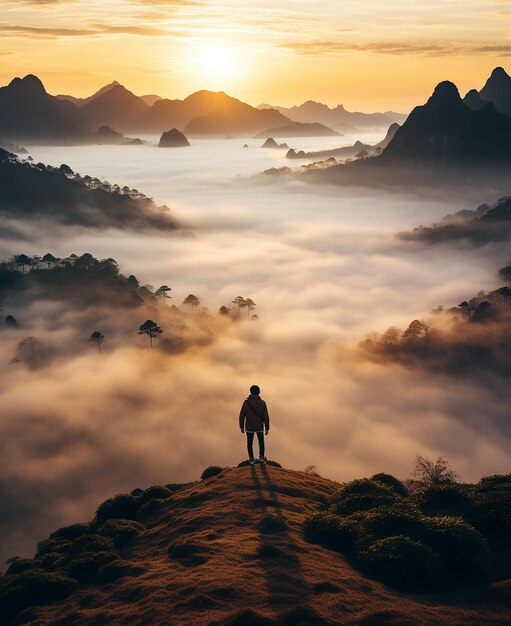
x=156 y=492
x=51 y=560
x=463 y=548
x=117 y=569
x=177 y=486
x=492 y=496
x=90 y=543
x=329 y=530
x=446 y=499
x=404 y=564
x=32 y=588
x=121 y=506
x=212 y=470
x=52 y=545
x=120 y=531
x=388 y=522
x=151 y=507
x=85 y=567
x=18 y=565
x=362 y=495
x=392 y=482
x=71 y=532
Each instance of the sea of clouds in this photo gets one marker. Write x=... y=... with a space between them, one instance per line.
x=324 y=267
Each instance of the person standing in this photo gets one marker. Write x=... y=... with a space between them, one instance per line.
x=254 y=420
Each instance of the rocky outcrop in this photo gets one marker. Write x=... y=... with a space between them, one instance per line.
x=173 y=139
x=271 y=143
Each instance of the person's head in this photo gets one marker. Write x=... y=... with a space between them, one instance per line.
x=254 y=390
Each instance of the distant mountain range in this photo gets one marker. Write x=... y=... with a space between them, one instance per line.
x=29 y=114
x=496 y=90
x=446 y=131
x=299 y=129
x=337 y=118
x=441 y=142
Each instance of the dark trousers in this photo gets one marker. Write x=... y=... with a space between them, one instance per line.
x=250 y=444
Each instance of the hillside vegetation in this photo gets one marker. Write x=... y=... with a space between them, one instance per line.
x=231 y=550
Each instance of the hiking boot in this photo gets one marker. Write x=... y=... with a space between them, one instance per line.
x=262 y=460
x=252 y=461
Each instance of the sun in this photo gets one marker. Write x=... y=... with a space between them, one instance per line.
x=216 y=63
x=219 y=61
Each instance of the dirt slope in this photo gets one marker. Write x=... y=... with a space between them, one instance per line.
x=230 y=550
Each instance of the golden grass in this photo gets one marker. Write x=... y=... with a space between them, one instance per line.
x=230 y=550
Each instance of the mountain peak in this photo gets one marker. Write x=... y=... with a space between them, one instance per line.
x=445 y=93
x=499 y=73
x=28 y=83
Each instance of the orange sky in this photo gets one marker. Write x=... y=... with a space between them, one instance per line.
x=368 y=55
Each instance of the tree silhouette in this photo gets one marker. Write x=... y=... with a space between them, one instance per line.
x=223 y=310
x=192 y=302
x=430 y=473
x=240 y=302
x=151 y=329
x=97 y=337
x=251 y=305
x=163 y=292
x=416 y=330
x=505 y=291
x=391 y=337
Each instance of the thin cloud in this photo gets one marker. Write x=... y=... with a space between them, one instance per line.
x=426 y=48
x=95 y=31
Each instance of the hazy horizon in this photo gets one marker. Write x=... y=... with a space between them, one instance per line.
x=351 y=54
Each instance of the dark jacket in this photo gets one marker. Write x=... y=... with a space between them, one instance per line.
x=254 y=414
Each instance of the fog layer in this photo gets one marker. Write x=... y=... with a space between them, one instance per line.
x=324 y=268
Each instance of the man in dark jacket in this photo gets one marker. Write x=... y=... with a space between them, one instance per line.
x=253 y=417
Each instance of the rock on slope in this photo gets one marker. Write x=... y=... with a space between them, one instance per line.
x=230 y=551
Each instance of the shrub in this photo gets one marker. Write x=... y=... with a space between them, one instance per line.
x=427 y=472
x=390 y=481
x=329 y=530
x=32 y=588
x=71 y=532
x=137 y=492
x=362 y=495
x=463 y=548
x=492 y=496
x=501 y=591
x=51 y=560
x=121 y=531
x=388 y=522
x=151 y=507
x=404 y=564
x=311 y=469
x=88 y=544
x=122 y=506
x=117 y=569
x=177 y=486
x=447 y=499
x=155 y=492
x=212 y=470
x=52 y=545
x=18 y=565
x=85 y=567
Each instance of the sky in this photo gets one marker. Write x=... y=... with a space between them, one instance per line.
x=367 y=55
